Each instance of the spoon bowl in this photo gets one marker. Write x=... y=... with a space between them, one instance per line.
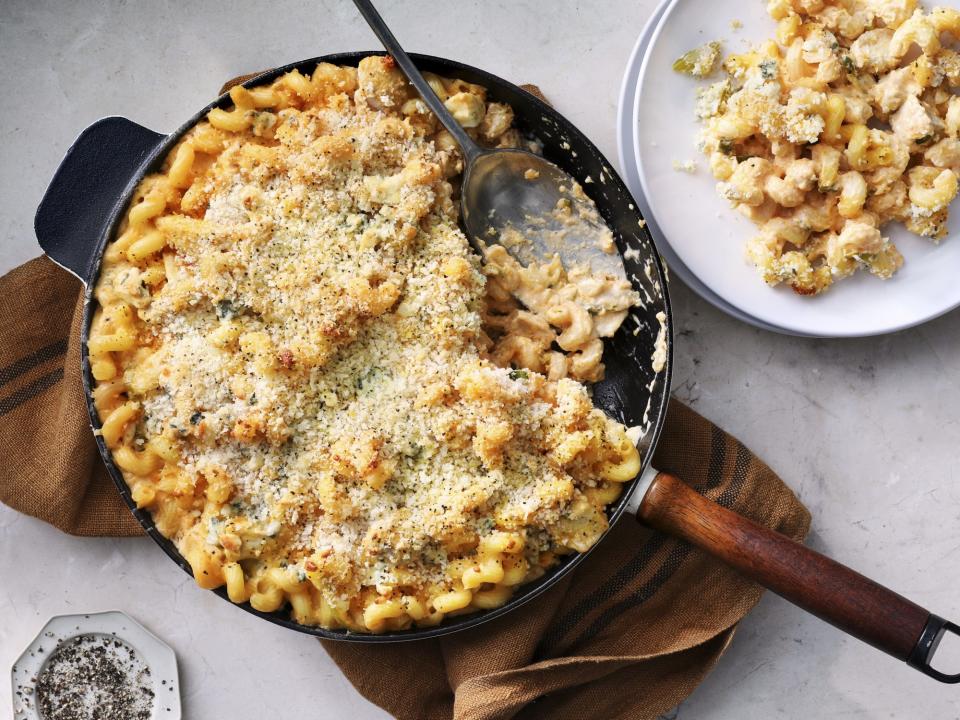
x=517 y=195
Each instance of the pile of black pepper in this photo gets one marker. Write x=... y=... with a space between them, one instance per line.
x=94 y=677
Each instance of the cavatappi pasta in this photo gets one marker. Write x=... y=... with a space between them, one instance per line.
x=294 y=376
x=527 y=305
x=848 y=120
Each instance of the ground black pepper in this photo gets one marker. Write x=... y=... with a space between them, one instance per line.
x=94 y=677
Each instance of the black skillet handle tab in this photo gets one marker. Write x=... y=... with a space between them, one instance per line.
x=926 y=647
x=85 y=189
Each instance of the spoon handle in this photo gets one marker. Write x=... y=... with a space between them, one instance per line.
x=467 y=145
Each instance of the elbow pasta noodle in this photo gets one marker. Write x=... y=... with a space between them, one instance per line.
x=146 y=245
x=115 y=423
x=234 y=121
x=853 y=194
x=492 y=598
x=624 y=470
x=267 y=601
x=235 y=582
x=452 y=601
x=865 y=92
x=489 y=570
x=251 y=333
x=179 y=175
x=141 y=464
x=835 y=114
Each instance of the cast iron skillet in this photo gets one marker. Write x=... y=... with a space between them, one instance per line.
x=90 y=191
x=96 y=179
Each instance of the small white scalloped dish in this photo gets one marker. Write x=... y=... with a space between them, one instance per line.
x=708 y=236
x=151 y=651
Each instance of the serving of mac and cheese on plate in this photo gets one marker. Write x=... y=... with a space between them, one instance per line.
x=845 y=122
x=320 y=394
x=802 y=137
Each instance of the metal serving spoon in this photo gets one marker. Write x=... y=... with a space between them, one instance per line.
x=506 y=189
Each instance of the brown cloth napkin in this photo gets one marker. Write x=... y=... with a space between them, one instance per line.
x=628 y=635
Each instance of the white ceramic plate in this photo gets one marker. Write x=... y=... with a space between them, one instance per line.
x=707 y=236
x=626 y=153
x=149 y=649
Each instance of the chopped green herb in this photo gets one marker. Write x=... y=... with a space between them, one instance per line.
x=726 y=146
x=225 y=309
x=848 y=64
x=368 y=378
x=486 y=525
x=518 y=375
x=769 y=69
x=699 y=62
x=923 y=140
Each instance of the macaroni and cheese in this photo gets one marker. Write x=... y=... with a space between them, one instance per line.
x=847 y=121
x=319 y=392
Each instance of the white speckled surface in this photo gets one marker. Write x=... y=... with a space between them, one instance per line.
x=866 y=431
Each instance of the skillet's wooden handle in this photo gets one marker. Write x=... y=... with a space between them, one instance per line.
x=829 y=590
